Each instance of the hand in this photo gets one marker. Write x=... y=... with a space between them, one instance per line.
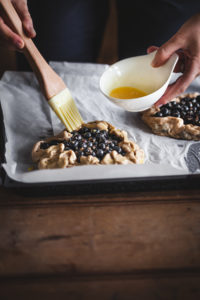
x=9 y=38
x=186 y=43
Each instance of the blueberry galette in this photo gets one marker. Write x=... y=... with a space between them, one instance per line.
x=94 y=143
x=179 y=118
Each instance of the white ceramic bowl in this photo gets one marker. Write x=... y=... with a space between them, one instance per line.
x=137 y=72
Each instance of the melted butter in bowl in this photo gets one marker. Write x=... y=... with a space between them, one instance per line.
x=127 y=92
x=133 y=84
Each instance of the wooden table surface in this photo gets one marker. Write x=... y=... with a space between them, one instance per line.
x=136 y=245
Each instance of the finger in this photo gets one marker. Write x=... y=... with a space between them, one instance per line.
x=9 y=36
x=22 y=10
x=28 y=26
x=181 y=63
x=166 y=97
x=151 y=49
x=165 y=51
x=180 y=85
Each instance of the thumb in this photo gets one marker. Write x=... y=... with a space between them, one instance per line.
x=151 y=49
x=165 y=51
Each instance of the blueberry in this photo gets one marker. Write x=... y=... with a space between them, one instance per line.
x=175 y=113
x=112 y=145
x=95 y=131
x=95 y=144
x=183 y=102
x=79 y=137
x=168 y=105
x=75 y=143
x=87 y=152
x=118 y=149
x=185 y=107
x=198 y=98
x=44 y=146
x=84 y=145
x=80 y=153
x=183 y=113
x=165 y=111
x=173 y=103
x=104 y=132
x=102 y=146
x=194 y=101
x=71 y=146
x=190 y=104
x=87 y=135
x=178 y=106
x=187 y=99
x=98 y=135
x=159 y=114
x=115 y=138
x=83 y=130
x=54 y=142
x=197 y=105
x=74 y=132
x=100 y=153
x=190 y=113
x=102 y=139
x=89 y=144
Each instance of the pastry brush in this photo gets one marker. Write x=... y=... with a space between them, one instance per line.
x=52 y=86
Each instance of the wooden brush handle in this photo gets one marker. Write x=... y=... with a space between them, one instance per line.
x=49 y=81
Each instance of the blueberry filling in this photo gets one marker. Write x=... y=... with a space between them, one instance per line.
x=88 y=141
x=188 y=109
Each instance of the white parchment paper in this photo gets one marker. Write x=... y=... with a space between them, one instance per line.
x=28 y=118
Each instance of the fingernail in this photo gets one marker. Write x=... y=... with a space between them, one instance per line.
x=32 y=30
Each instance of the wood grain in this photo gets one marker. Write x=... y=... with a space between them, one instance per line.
x=82 y=238
x=180 y=286
x=138 y=245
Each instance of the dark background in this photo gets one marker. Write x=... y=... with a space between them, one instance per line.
x=108 y=52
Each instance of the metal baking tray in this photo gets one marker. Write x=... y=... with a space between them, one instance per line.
x=118 y=185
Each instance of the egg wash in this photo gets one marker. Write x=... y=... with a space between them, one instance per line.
x=127 y=92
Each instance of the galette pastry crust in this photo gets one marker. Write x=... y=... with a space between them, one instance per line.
x=56 y=156
x=171 y=126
